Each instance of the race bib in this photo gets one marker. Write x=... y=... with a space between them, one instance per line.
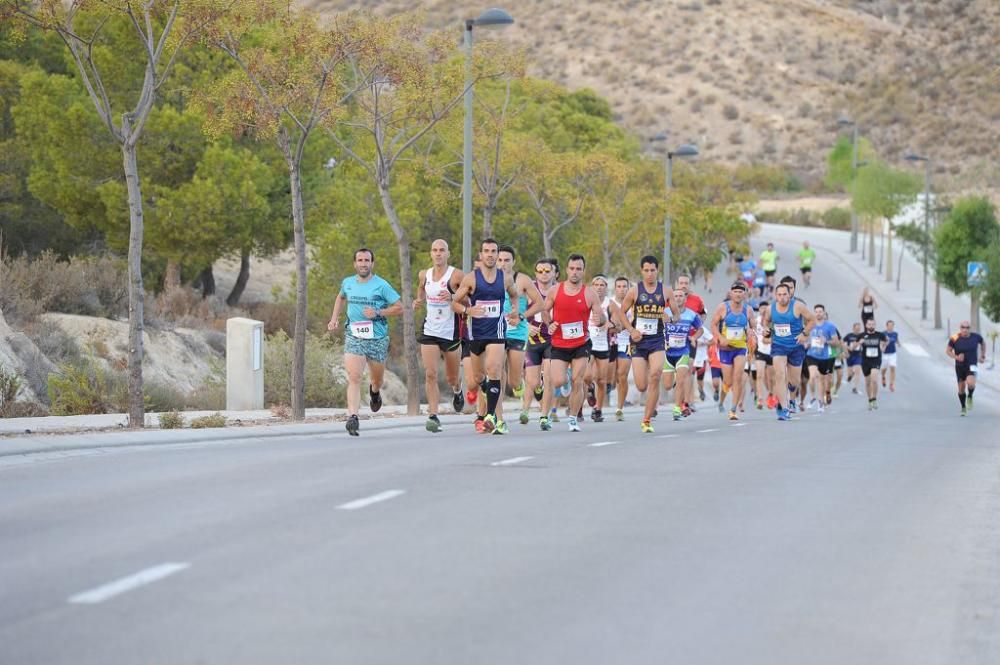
x=538 y=317
x=735 y=334
x=867 y=309
x=974 y=369
x=817 y=343
x=439 y=309
x=572 y=330
x=871 y=351
x=597 y=331
x=647 y=326
x=783 y=330
x=675 y=341
x=363 y=329
x=491 y=308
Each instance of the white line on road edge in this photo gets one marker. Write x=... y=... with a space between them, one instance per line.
x=915 y=349
x=706 y=431
x=600 y=444
x=512 y=460
x=375 y=498
x=142 y=578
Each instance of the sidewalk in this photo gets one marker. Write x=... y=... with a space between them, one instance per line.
x=905 y=302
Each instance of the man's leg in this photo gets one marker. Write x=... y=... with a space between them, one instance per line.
x=578 y=391
x=452 y=359
x=654 y=368
x=624 y=366
x=355 y=367
x=739 y=380
x=780 y=388
x=493 y=362
x=430 y=355
x=555 y=375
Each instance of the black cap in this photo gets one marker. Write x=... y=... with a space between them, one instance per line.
x=739 y=284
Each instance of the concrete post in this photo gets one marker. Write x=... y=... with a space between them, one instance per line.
x=244 y=364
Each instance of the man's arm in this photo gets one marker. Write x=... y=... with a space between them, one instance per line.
x=465 y=288
x=421 y=293
x=338 y=306
x=716 y=320
x=596 y=311
x=808 y=318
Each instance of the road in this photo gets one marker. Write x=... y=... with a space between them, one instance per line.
x=846 y=537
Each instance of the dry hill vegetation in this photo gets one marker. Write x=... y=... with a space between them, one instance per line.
x=765 y=80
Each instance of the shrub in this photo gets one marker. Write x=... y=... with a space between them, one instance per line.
x=837 y=218
x=212 y=393
x=323 y=388
x=87 y=387
x=730 y=112
x=24 y=410
x=171 y=420
x=10 y=386
x=214 y=420
x=162 y=396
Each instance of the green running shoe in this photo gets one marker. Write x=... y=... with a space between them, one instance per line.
x=519 y=390
x=500 y=428
x=523 y=418
x=433 y=424
x=544 y=424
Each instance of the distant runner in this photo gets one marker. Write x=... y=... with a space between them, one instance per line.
x=806 y=257
x=769 y=263
x=967 y=349
x=889 y=357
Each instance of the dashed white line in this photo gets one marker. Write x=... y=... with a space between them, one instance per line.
x=738 y=425
x=706 y=431
x=512 y=460
x=142 y=578
x=369 y=500
x=915 y=349
x=668 y=436
x=601 y=444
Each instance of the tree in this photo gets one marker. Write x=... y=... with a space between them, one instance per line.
x=406 y=84
x=154 y=23
x=558 y=186
x=968 y=233
x=288 y=83
x=839 y=173
x=881 y=192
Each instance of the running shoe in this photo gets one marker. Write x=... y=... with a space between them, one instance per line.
x=500 y=428
x=701 y=393
x=722 y=406
x=523 y=418
x=813 y=404
x=855 y=391
x=489 y=423
x=572 y=425
x=883 y=381
x=715 y=395
x=963 y=415
x=677 y=413
x=597 y=416
x=471 y=396
x=353 y=426
x=544 y=424
x=968 y=402
x=519 y=390
x=760 y=405
x=870 y=405
x=458 y=401
x=836 y=391
x=686 y=412
x=591 y=395
x=432 y=424
x=828 y=398
x=892 y=387
x=783 y=414
x=732 y=415
x=874 y=405
x=374 y=399
x=772 y=401
x=690 y=407
x=647 y=427
x=619 y=415
x=821 y=409
x=792 y=406
x=480 y=425
x=554 y=415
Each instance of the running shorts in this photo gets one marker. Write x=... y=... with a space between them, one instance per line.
x=726 y=356
x=372 y=349
x=671 y=363
x=569 y=355
x=478 y=346
x=794 y=354
x=446 y=345
x=823 y=365
x=888 y=360
x=536 y=353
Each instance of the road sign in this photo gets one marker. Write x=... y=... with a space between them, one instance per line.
x=977 y=272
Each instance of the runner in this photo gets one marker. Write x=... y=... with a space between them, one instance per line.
x=646 y=301
x=889 y=357
x=517 y=336
x=735 y=322
x=714 y=365
x=769 y=263
x=873 y=343
x=369 y=299
x=623 y=362
x=536 y=358
x=700 y=363
x=967 y=349
x=867 y=305
x=747 y=268
x=681 y=324
x=600 y=351
x=693 y=302
x=572 y=305
x=790 y=322
x=819 y=359
x=480 y=297
x=852 y=345
x=441 y=332
x=806 y=257
x=763 y=362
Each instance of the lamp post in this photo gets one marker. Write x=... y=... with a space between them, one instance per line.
x=683 y=150
x=927 y=214
x=496 y=18
x=937 y=284
x=844 y=122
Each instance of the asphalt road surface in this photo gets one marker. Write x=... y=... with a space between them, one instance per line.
x=849 y=537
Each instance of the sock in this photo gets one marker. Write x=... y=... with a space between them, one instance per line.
x=971 y=390
x=961 y=399
x=492 y=396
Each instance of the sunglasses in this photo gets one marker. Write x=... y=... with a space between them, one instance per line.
x=543 y=269
x=964 y=327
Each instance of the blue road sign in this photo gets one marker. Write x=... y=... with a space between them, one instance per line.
x=977 y=272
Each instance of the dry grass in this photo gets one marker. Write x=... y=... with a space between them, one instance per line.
x=915 y=74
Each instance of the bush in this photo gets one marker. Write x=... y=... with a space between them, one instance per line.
x=10 y=386
x=24 y=410
x=323 y=388
x=171 y=420
x=87 y=387
x=837 y=218
x=214 y=420
x=91 y=286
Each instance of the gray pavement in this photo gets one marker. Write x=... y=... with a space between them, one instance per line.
x=846 y=537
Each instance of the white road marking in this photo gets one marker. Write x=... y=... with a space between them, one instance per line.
x=738 y=425
x=142 y=578
x=369 y=500
x=668 y=436
x=512 y=460
x=915 y=349
x=600 y=444
x=706 y=431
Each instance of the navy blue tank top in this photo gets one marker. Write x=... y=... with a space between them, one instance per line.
x=490 y=296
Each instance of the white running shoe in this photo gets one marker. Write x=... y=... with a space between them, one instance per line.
x=573 y=426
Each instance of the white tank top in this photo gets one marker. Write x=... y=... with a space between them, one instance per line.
x=762 y=346
x=441 y=321
x=598 y=335
x=623 y=337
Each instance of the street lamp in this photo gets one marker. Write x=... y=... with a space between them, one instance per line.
x=491 y=18
x=683 y=150
x=912 y=157
x=845 y=122
x=937 y=284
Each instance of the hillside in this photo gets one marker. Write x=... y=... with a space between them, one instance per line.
x=765 y=80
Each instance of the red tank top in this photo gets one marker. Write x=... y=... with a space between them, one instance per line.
x=571 y=314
